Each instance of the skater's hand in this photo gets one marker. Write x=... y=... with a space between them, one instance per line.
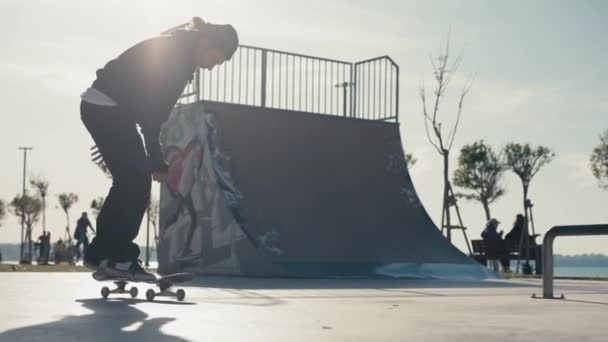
x=160 y=177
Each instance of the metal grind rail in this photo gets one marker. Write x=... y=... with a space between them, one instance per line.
x=578 y=230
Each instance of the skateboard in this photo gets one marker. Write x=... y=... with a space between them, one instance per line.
x=164 y=284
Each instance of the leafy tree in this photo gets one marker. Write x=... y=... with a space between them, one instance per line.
x=27 y=209
x=66 y=201
x=480 y=170
x=525 y=161
x=42 y=187
x=2 y=210
x=96 y=205
x=599 y=161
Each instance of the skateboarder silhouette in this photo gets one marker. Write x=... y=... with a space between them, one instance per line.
x=140 y=88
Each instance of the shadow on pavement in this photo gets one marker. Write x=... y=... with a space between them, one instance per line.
x=250 y=283
x=584 y=301
x=107 y=323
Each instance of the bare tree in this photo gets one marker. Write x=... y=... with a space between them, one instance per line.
x=27 y=209
x=410 y=160
x=443 y=71
x=480 y=170
x=152 y=219
x=66 y=201
x=152 y=212
x=96 y=205
x=599 y=161
x=42 y=187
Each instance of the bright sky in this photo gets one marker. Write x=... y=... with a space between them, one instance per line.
x=540 y=71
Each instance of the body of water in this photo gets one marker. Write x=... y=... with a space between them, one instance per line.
x=560 y=271
x=572 y=271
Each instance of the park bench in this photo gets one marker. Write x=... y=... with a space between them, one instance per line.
x=505 y=250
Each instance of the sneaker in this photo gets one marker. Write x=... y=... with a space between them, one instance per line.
x=131 y=270
x=100 y=272
x=91 y=264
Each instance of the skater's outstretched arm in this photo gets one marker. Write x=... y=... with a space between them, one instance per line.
x=93 y=229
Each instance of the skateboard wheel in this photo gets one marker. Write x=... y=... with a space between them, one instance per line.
x=181 y=294
x=105 y=292
x=150 y=295
x=133 y=291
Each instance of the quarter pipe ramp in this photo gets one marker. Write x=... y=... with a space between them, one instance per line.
x=267 y=192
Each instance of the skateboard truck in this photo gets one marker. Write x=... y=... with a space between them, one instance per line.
x=165 y=283
x=180 y=294
x=120 y=288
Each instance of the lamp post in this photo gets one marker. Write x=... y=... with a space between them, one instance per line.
x=24 y=149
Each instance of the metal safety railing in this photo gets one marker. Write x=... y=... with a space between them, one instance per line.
x=580 y=230
x=377 y=88
x=289 y=81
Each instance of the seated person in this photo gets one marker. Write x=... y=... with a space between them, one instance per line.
x=491 y=233
x=514 y=236
x=59 y=252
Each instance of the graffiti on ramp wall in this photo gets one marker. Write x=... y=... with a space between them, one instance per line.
x=200 y=217
x=196 y=229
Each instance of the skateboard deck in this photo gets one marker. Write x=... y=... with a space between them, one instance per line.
x=164 y=283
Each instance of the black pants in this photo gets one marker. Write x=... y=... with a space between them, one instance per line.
x=123 y=152
x=85 y=245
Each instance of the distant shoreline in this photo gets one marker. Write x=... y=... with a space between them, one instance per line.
x=67 y=268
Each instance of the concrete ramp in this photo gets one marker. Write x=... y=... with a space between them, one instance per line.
x=259 y=191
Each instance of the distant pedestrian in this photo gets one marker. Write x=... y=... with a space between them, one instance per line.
x=80 y=234
x=38 y=249
x=46 y=248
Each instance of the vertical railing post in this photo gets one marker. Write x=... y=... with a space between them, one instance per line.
x=353 y=90
x=263 y=85
x=197 y=85
x=397 y=95
x=345 y=94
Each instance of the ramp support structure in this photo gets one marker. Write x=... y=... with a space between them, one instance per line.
x=578 y=230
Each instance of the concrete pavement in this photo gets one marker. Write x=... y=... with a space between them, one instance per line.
x=68 y=307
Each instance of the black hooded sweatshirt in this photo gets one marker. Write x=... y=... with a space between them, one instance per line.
x=147 y=80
